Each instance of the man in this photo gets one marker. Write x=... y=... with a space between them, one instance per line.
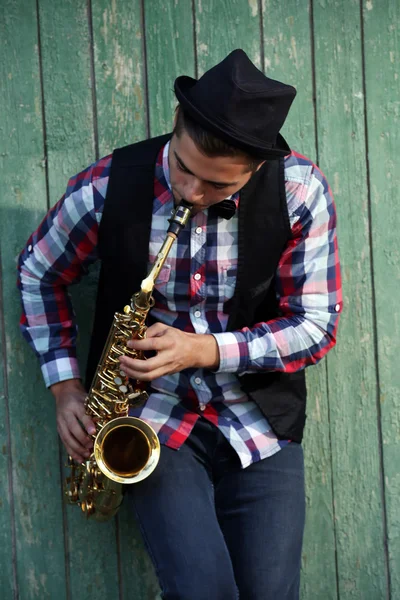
x=249 y=296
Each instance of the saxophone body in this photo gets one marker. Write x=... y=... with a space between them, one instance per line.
x=125 y=449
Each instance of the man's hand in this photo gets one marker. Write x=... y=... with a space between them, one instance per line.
x=71 y=418
x=175 y=350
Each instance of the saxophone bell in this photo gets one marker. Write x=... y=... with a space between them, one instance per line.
x=127 y=450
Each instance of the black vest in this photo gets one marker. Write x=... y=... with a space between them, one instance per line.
x=264 y=231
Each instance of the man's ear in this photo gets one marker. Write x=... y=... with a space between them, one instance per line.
x=176 y=111
x=260 y=165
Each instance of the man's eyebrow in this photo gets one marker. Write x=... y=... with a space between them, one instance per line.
x=221 y=183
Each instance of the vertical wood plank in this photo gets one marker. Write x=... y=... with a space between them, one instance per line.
x=382 y=86
x=223 y=26
x=35 y=471
x=118 y=39
x=68 y=108
x=351 y=367
x=8 y=584
x=170 y=53
x=287 y=38
x=121 y=101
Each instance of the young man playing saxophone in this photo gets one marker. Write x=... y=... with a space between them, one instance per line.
x=249 y=296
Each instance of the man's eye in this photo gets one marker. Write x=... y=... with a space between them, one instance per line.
x=181 y=167
x=218 y=187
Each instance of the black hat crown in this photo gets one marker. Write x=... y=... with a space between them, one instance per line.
x=238 y=103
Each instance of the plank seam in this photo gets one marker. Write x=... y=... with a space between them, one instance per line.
x=196 y=64
x=145 y=69
x=65 y=522
x=93 y=79
x=9 y=458
x=314 y=93
x=44 y=129
x=262 y=47
x=314 y=80
x=374 y=315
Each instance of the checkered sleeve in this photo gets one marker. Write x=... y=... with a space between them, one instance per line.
x=308 y=288
x=56 y=255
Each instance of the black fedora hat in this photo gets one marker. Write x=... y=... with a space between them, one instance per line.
x=238 y=103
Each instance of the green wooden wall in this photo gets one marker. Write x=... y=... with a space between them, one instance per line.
x=79 y=77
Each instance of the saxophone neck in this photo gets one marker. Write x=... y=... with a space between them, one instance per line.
x=143 y=299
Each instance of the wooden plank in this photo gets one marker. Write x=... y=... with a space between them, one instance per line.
x=171 y=22
x=351 y=367
x=67 y=85
x=7 y=530
x=223 y=26
x=118 y=40
x=121 y=101
x=36 y=480
x=382 y=86
x=288 y=57
x=287 y=41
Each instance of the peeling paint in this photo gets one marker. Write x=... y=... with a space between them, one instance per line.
x=253 y=7
x=336 y=181
x=203 y=48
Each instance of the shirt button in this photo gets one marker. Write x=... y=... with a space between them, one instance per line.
x=197 y=313
x=197 y=380
x=30 y=248
x=202 y=407
x=337 y=307
x=198 y=230
x=197 y=276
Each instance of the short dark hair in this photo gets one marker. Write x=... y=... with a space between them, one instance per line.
x=207 y=142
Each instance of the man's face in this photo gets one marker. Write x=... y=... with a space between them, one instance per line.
x=203 y=180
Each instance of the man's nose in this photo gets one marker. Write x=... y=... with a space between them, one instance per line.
x=194 y=191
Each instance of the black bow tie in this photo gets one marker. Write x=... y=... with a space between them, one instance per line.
x=225 y=209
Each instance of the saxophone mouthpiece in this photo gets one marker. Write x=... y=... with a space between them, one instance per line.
x=180 y=217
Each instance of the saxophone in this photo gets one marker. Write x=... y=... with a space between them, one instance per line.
x=125 y=449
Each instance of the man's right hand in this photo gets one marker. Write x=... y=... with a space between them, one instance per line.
x=72 y=421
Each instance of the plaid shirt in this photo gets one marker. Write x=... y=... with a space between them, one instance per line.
x=190 y=295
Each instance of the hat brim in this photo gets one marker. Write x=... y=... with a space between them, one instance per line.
x=183 y=86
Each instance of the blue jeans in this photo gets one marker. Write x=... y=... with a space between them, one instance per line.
x=215 y=531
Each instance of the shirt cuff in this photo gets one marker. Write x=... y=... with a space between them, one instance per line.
x=59 y=365
x=233 y=352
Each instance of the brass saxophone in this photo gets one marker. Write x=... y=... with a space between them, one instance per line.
x=125 y=449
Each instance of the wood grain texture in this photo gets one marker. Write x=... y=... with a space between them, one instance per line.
x=118 y=39
x=8 y=582
x=35 y=472
x=223 y=26
x=352 y=380
x=170 y=53
x=382 y=86
x=288 y=57
x=67 y=86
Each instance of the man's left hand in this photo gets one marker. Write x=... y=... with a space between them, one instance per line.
x=175 y=350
